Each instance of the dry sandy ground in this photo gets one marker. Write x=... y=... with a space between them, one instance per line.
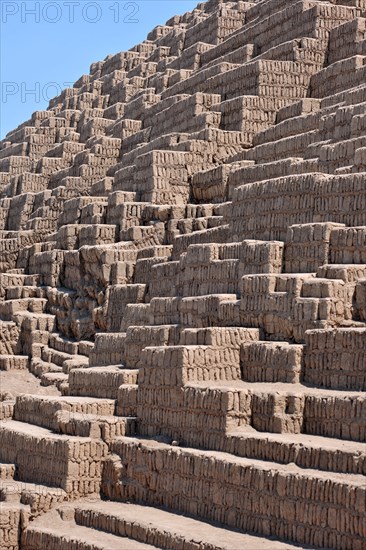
x=16 y=382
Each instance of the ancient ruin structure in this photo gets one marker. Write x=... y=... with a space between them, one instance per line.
x=183 y=268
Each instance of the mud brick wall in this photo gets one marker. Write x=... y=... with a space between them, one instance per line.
x=289 y=450
x=15 y=165
x=336 y=358
x=108 y=349
x=75 y=466
x=11 y=247
x=348 y=245
x=43 y=412
x=338 y=416
x=184 y=82
x=249 y=114
x=229 y=337
x=346 y=40
x=20 y=209
x=94 y=213
x=190 y=57
x=287 y=21
x=101 y=383
x=214 y=28
x=277 y=412
x=260 y=257
x=204 y=413
x=257 y=209
x=48 y=265
x=270 y=301
x=9 y=338
x=271 y=362
x=360 y=299
x=126 y=404
x=216 y=234
x=6 y=409
x=181 y=115
x=332 y=79
x=307 y=247
x=72 y=209
x=143 y=268
x=97 y=234
x=118 y=297
x=215 y=277
x=176 y=365
x=10 y=518
x=122 y=213
x=308 y=50
x=137 y=338
x=162 y=279
x=4 y=212
x=253 y=79
x=224 y=491
x=210 y=185
x=164 y=175
x=97 y=263
x=68 y=237
x=136 y=314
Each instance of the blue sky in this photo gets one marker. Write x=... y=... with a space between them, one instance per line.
x=46 y=45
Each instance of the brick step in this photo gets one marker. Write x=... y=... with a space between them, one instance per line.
x=36 y=321
x=85 y=347
x=15 y=271
x=306 y=451
x=14 y=362
x=208 y=410
x=6 y=408
x=229 y=337
x=74 y=416
x=108 y=349
x=62 y=344
x=263 y=361
x=294 y=408
x=264 y=170
x=7 y=471
x=51 y=355
x=190 y=225
x=76 y=362
x=40 y=498
x=289 y=127
x=286 y=147
x=100 y=381
x=336 y=358
x=54 y=379
x=189 y=363
x=324 y=288
x=106 y=428
x=284 y=501
x=38 y=367
x=12 y=279
x=11 y=307
x=70 y=463
x=43 y=410
x=12 y=516
x=165 y=529
x=24 y=292
x=57 y=530
x=138 y=337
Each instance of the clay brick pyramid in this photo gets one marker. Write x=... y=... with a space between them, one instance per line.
x=183 y=267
